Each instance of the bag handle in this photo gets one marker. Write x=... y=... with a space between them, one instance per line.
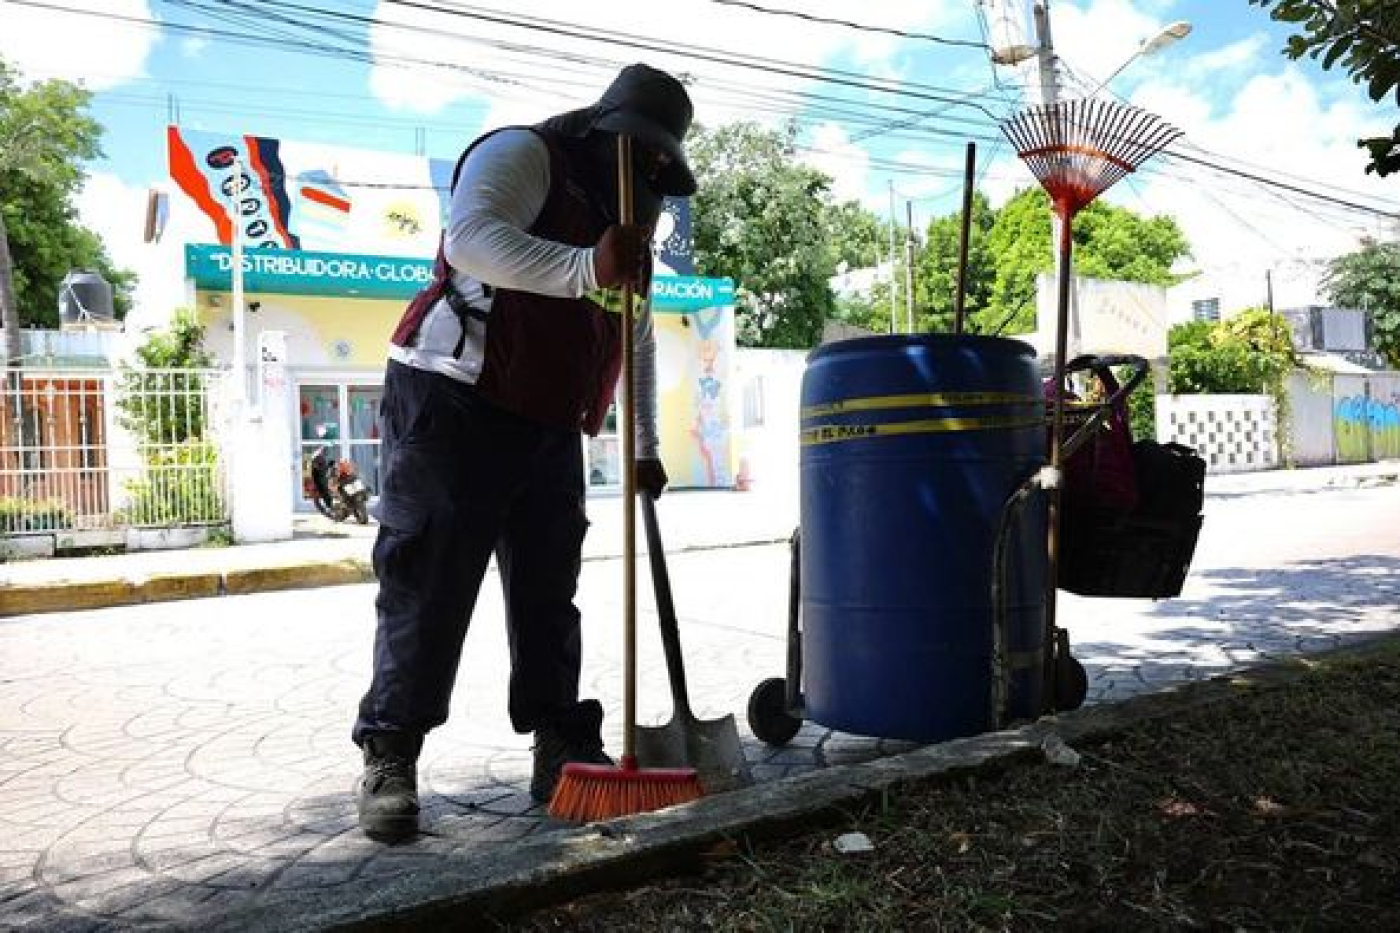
x=1117 y=401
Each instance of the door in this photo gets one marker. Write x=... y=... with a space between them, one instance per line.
x=344 y=418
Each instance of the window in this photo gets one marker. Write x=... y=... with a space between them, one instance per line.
x=344 y=419
x=1206 y=309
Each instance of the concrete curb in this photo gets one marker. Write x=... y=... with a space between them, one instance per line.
x=296 y=576
x=468 y=892
x=72 y=596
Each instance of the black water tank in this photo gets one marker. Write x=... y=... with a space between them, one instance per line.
x=84 y=296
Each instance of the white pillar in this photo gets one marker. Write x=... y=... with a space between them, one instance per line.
x=261 y=450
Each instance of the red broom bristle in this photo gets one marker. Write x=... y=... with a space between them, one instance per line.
x=587 y=793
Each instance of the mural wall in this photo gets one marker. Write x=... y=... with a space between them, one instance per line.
x=1366 y=418
x=695 y=364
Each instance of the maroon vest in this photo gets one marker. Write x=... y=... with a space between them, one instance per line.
x=552 y=360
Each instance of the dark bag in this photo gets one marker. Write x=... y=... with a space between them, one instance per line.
x=1144 y=552
x=1171 y=480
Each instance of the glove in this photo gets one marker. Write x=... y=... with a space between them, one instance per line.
x=620 y=256
x=651 y=477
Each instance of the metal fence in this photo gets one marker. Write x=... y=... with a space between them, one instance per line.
x=89 y=450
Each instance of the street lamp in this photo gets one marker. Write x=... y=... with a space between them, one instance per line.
x=1165 y=37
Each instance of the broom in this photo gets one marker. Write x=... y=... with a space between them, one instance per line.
x=1076 y=149
x=588 y=792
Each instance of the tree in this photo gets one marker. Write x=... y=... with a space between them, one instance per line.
x=1363 y=37
x=1020 y=242
x=1370 y=279
x=1249 y=353
x=1004 y=259
x=45 y=136
x=761 y=218
x=859 y=240
x=936 y=268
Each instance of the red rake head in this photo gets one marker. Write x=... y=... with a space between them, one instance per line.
x=1077 y=149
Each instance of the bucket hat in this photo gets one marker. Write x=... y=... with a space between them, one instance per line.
x=653 y=108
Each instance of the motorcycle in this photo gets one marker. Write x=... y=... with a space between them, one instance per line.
x=339 y=491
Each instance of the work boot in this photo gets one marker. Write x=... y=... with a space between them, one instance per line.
x=574 y=736
x=387 y=794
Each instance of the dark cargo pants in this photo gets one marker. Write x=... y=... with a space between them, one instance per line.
x=463 y=479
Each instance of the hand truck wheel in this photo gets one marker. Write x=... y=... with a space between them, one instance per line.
x=768 y=713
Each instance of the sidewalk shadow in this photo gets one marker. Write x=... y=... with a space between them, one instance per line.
x=1249 y=615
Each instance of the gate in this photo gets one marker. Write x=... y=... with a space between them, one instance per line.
x=91 y=450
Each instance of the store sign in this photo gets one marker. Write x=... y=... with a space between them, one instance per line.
x=690 y=293
x=298 y=272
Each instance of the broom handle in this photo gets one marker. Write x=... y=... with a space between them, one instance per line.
x=627 y=425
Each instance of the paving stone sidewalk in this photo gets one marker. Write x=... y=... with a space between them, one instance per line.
x=182 y=764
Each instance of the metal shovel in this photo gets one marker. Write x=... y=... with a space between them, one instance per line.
x=710 y=746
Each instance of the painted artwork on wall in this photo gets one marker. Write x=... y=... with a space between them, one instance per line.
x=695 y=366
x=310 y=196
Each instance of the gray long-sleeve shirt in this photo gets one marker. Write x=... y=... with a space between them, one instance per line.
x=499 y=194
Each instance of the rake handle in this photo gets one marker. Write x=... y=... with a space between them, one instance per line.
x=1063 y=215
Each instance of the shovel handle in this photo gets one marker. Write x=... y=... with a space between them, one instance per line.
x=665 y=608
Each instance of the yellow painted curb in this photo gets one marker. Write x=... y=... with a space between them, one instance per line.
x=71 y=597
x=295 y=576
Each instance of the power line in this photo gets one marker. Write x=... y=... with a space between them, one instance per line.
x=835 y=109
x=861 y=27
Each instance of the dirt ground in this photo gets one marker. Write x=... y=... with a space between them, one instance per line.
x=1276 y=808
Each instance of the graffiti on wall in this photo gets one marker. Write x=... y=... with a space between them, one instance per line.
x=1366 y=428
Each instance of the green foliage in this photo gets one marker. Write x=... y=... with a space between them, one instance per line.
x=936 y=269
x=181 y=486
x=1020 y=243
x=45 y=136
x=1011 y=246
x=1250 y=353
x=1370 y=279
x=162 y=401
x=1362 y=37
x=18 y=514
x=858 y=239
x=761 y=219
x=1142 y=410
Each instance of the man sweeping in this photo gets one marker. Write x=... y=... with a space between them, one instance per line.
x=493 y=372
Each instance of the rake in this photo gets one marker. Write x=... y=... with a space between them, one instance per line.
x=1077 y=149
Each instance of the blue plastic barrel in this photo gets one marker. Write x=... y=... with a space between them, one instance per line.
x=911 y=446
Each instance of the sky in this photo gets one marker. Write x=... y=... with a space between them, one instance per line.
x=885 y=95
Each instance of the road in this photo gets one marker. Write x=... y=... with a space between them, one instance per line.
x=172 y=760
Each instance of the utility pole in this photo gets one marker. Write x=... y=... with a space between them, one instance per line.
x=240 y=362
x=1049 y=96
x=1045 y=54
x=894 y=292
x=909 y=267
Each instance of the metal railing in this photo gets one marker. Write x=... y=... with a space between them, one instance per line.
x=94 y=449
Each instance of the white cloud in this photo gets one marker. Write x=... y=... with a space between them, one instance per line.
x=193 y=47
x=1240 y=104
x=89 y=47
x=508 y=76
x=116 y=212
x=1276 y=124
x=848 y=164
x=1233 y=57
x=1096 y=40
